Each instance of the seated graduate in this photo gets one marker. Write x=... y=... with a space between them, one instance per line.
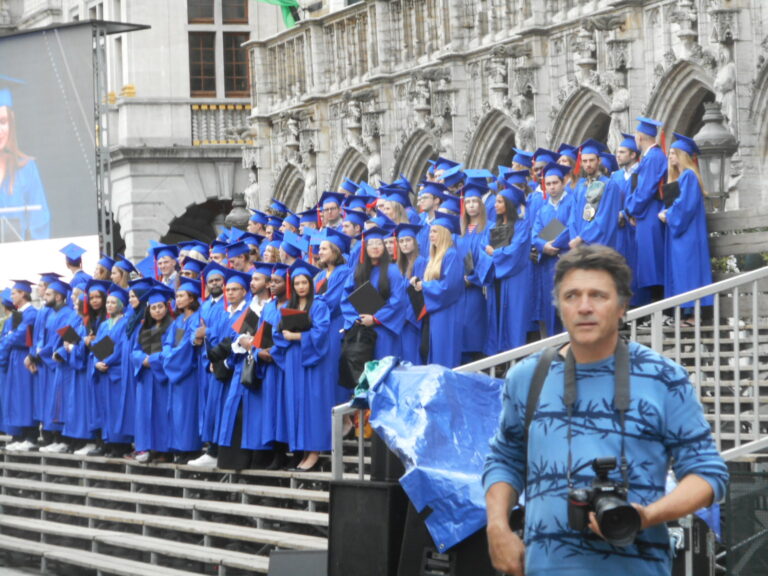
x=442 y=288
x=377 y=268
x=510 y=291
x=152 y=434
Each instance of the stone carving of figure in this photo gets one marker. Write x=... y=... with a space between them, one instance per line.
x=293 y=130
x=354 y=113
x=5 y=13
x=619 y=109
x=374 y=160
x=310 y=181
x=421 y=94
x=526 y=132
x=251 y=191
x=725 y=86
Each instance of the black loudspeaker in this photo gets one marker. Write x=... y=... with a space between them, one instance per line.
x=385 y=466
x=420 y=557
x=366 y=528
x=293 y=562
x=696 y=553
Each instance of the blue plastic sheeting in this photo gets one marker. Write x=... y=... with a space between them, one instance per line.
x=439 y=424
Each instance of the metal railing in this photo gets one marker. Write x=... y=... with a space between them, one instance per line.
x=736 y=427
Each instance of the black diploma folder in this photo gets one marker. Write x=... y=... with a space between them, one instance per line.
x=103 y=348
x=670 y=193
x=552 y=230
x=69 y=335
x=295 y=320
x=367 y=299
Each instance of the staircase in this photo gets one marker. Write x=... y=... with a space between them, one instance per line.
x=64 y=514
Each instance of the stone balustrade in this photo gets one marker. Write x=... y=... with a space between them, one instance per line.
x=217 y=124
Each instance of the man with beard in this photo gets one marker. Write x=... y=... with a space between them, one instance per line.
x=49 y=352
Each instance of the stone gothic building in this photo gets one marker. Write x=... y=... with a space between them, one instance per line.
x=376 y=88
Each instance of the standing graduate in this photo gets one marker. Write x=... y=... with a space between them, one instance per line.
x=384 y=276
x=42 y=372
x=152 y=432
x=595 y=205
x=79 y=399
x=411 y=264
x=686 y=251
x=442 y=288
x=509 y=295
x=5 y=352
x=180 y=362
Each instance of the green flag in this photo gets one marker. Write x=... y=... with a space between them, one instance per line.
x=288 y=14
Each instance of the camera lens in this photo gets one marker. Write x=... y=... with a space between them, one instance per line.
x=619 y=522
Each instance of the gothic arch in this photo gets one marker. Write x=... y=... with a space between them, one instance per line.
x=289 y=188
x=585 y=114
x=492 y=142
x=679 y=98
x=759 y=113
x=412 y=160
x=352 y=165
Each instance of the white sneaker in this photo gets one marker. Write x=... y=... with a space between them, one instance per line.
x=26 y=446
x=204 y=461
x=85 y=449
x=58 y=448
x=12 y=447
x=141 y=457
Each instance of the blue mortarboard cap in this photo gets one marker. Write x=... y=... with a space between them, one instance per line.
x=237 y=277
x=555 y=169
x=235 y=234
x=165 y=251
x=97 y=286
x=331 y=198
x=223 y=235
x=193 y=265
x=252 y=239
x=302 y=268
x=292 y=219
x=366 y=189
x=451 y=203
x=308 y=217
x=106 y=262
x=293 y=244
x=449 y=221
x=514 y=194
x=157 y=294
x=374 y=233
x=403 y=184
x=444 y=163
x=609 y=161
x=275 y=222
x=196 y=246
x=452 y=176
x=357 y=218
x=277 y=239
x=218 y=247
x=49 y=277
x=648 y=126
x=436 y=189
x=592 y=146
x=628 y=142
x=214 y=269
x=544 y=155
x=278 y=206
x=569 y=151
x=516 y=177
x=503 y=171
x=405 y=230
x=358 y=203
x=685 y=144
x=279 y=269
x=119 y=293
x=5 y=298
x=124 y=264
x=80 y=280
x=341 y=240
x=146 y=266
x=22 y=285
x=237 y=249
x=522 y=157
x=73 y=252
x=382 y=221
x=259 y=217
x=141 y=285
x=396 y=195
x=190 y=285
x=263 y=268
x=478 y=174
x=349 y=186
x=60 y=286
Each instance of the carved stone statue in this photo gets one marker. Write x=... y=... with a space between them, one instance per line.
x=372 y=146
x=293 y=130
x=526 y=132
x=725 y=86
x=310 y=180
x=619 y=110
x=251 y=192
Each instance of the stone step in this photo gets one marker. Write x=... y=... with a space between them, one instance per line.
x=134 y=542
x=155 y=522
x=142 y=500
x=105 y=564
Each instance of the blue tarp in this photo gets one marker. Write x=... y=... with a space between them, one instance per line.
x=439 y=424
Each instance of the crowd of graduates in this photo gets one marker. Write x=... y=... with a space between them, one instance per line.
x=235 y=346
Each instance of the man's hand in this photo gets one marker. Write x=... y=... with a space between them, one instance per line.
x=101 y=367
x=366 y=319
x=507 y=551
x=550 y=250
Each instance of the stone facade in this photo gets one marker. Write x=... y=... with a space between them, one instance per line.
x=377 y=88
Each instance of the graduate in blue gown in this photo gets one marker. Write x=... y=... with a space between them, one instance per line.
x=107 y=371
x=78 y=398
x=5 y=352
x=509 y=294
x=329 y=287
x=594 y=218
x=42 y=378
x=431 y=194
x=384 y=276
x=152 y=432
x=643 y=207
x=411 y=264
x=180 y=362
x=558 y=206
x=687 y=264
x=442 y=288
x=94 y=315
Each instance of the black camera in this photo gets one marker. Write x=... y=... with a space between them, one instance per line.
x=618 y=520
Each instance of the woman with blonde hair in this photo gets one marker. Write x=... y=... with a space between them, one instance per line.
x=411 y=264
x=686 y=248
x=442 y=288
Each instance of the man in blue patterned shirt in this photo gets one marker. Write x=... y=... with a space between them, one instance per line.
x=663 y=426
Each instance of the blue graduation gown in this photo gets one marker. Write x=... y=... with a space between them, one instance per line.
x=127 y=410
x=180 y=362
x=59 y=374
x=602 y=228
x=152 y=417
x=78 y=397
x=687 y=264
x=212 y=392
x=509 y=295
x=390 y=318
x=330 y=289
x=546 y=264
x=411 y=333
x=442 y=299
x=644 y=206
x=108 y=385
x=474 y=305
x=5 y=353
x=27 y=191
x=19 y=380
x=42 y=380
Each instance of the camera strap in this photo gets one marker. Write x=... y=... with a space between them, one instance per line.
x=620 y=401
